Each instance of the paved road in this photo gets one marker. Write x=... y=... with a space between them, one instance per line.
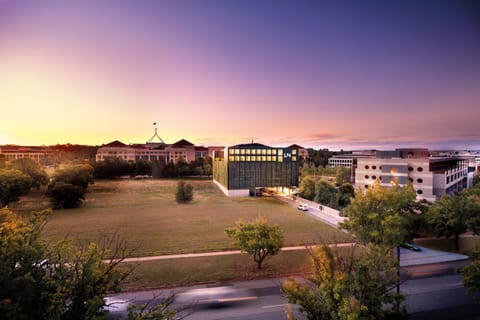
x=441 y=298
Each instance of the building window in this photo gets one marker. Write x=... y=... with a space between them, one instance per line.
x=269 y=151
x=242 y=151
x=294 y=151
x=419 y=169
x=419 y=180
x=294 y=158
x=393 y=170
x=237 y=158
x=367 y=167
x=247 y=151
x=366 y=186
x=367 y=176
x=374 y=167
x=269 y=158
x=247 y=158
x=374 y=177
x=419 y=191
x=410 y=168
x=242 y=158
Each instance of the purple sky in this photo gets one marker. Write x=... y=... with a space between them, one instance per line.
x=323 y=74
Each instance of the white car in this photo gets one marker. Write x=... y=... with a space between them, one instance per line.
x=302 y=207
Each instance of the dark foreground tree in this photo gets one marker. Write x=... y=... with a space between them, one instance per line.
x=471 y=273
x=58 y=282
x=453 y=215
x=65 y=195
x=184 y=192
x=257 y=238
x=13 y=184
x=33 y=170
x=347 y=286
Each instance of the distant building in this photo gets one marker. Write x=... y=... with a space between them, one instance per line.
x=37 y=154
x=302 y=152
x=432 y=177
x=154 y=151
x=244 y=169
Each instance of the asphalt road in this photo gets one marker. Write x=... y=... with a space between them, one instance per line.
x=441 y=297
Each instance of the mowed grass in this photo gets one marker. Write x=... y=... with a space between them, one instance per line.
x=180 y=272
x=146 y=214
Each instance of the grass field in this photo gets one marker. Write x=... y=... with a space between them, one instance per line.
x=146 y=214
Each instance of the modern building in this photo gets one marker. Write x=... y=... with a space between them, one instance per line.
x=432 y=177
x=349 y=160
x=244 y=169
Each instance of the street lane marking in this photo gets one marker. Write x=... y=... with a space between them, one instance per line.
x=276 y=306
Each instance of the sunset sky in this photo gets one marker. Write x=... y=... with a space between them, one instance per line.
x=322 y=74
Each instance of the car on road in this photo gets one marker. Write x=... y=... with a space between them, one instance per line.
x=214 y=295
x=302 y=207
x=410 y=246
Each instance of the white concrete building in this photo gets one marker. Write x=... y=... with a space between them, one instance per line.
x=432 y=177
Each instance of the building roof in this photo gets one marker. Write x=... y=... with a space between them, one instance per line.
x=250 y=145
x=182 y=143
x=116 y=144
x=295 y=146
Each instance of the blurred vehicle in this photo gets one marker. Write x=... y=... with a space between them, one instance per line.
x=410 y=246
x=214 y=295
x=116 y=306
x=302 y=207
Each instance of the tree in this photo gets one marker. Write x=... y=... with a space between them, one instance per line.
x=13 y=184
x=351 y=286
x=78 y=175
x=453 y=215
x=342 y=175
x=307 y=188
x=65 y=195
x=60 y=281
x=344 y=195
x=33 y=170
x=381 y=215
x=257 y=238
x=325 y=194
x=471 y=273
x=184 y=192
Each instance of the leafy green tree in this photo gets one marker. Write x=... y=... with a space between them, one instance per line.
x=471 y=273
x=59 y=282
x=184 y=192
x=342 y=175
x=352 y=286
x=65 y=195
x=325 y=194
x=182 y=168
x=13 y=184
x=257 y=238
x=381 y=215
x=78 y=175
x=33 y=169
x=307 y=188
x=344 y=195
x=453 y=215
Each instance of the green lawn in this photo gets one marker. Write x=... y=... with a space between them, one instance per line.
x=177 y=272
x=146 y=214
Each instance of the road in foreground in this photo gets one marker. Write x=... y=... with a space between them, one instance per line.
x=441 y=297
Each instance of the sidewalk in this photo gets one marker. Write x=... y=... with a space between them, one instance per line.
x=217 y=253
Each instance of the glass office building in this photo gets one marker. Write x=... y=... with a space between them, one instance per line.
x=246 y=168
